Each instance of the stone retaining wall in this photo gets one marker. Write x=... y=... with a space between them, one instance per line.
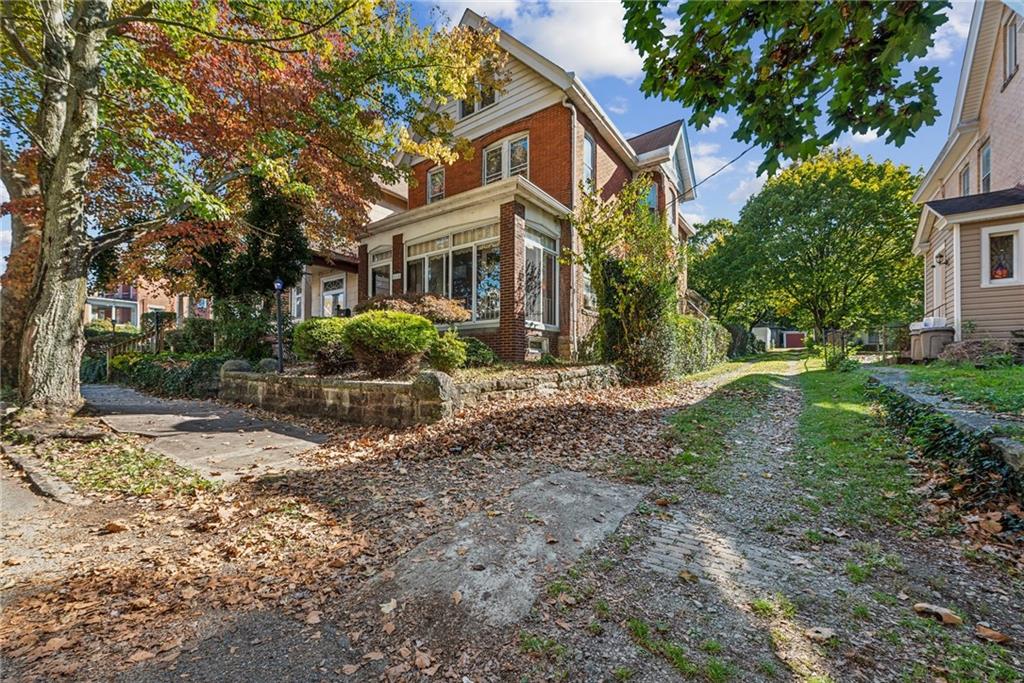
x=427 y=398
x=588 y=377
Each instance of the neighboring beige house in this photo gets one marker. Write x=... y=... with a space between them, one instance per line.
x=971 y=232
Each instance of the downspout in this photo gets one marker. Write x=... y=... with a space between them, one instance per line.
x=573 y=327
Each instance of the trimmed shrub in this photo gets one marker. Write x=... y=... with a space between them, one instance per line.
x=333 y=358
x=389 y=343
x=194 y=336
x=311 y=335
x=186 y=375
x=447 y=352
x=698 y=344
x=93 y=369
x=479 y=354
x=436 y=309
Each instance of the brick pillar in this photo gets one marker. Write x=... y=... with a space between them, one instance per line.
x=364 y=273
x=568 y=297
x=512 y=321
x=397 y=264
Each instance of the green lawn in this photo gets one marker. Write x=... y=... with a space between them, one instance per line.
x=1000 y=389
x=847 y=459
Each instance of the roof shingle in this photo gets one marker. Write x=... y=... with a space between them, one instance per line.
x=657 y=138
x=977 y=202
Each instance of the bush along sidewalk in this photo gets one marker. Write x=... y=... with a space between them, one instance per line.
x=983 y=473
x=187 y=375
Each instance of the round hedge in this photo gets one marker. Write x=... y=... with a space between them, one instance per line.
x=317 y=333
x=387 y=343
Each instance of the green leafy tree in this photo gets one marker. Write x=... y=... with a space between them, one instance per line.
x=171 y=106
x=798 y=74
x=833 y=239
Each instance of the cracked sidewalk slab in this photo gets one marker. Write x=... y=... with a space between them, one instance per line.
x=498 y=559
x=221 y=443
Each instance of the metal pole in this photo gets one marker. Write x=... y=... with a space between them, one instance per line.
x=280 y=342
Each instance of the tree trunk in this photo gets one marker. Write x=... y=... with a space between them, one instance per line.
x=53 y=339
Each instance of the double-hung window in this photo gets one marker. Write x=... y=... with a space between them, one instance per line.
x=965 y=181
x=480 y=97
x=332 y=296
x=297 y=300
x=435 y=185
x=589 y=162
x=985 y=179
x=464 y=265
x=1010 y=49
x=380 y=273
x=541 y=278
x=1002 y=253
x=507 y=158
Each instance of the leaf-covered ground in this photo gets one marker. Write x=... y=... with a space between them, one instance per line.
x=177 y=578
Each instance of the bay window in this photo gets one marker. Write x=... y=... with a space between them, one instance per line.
x=465 y=266
x=507 y=158
x=380 y=273
x=541 y=278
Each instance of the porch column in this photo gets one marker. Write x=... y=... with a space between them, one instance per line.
x=512 y=319
x=397 y=264
x=364 y=273
x=307 y=295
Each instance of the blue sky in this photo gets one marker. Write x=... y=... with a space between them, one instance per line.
x=586 y=37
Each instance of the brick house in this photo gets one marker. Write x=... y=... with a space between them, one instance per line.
x=971 y=232
x=488 y=229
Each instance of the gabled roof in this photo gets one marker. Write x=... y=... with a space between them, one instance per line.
x=658 y=138
x=977 y=202
x=578 y=94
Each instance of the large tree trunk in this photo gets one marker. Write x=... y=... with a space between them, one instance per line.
x=53 y=338
x=20 y=272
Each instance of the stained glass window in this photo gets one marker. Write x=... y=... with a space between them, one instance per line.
x=1000 y=257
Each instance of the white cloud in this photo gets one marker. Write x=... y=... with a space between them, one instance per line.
x=619 y=106
x=696 y=215
x=953 y=33
x=748 y=187
x=865 y=138
x=715 y=123
x=584 y=37
x=706 y=159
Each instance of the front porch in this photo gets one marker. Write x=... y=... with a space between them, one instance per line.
x=495 y=249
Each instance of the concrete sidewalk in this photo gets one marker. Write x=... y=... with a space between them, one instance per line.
x=221 y=443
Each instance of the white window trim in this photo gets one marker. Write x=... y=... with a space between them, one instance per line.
x=381 y=251
x=506 y=158
x=436 y=169
x=987 y=147
x=1018 y=255
x=476 y=103
x=448 y=251
x=591 y=182
x=1011 y=61
x=531 y=241
x=965 y=180
x=343 y=290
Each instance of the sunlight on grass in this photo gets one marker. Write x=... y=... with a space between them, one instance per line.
x=1000 y=389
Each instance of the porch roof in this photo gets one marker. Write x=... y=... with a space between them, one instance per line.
x=977 y=202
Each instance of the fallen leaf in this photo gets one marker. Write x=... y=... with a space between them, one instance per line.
x=114 y=526
x=663 y=502
x=820 y=634
x=457 y=597
x=422 y=660
x=941 y=613
x=389 y=627
x=389 y=606
x=313 y=618
x=350 y=669
x=374 y=656
x=688 y=576
x=551 y=539
x=991 y=635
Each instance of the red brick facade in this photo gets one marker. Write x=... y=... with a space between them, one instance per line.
x=550 y=158
x=511 y=342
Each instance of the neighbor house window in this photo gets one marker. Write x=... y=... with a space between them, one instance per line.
x=1010 y=49
x=507 y=158
x=464 y=265
x=589 y=295
x=332 y=294
x=965 y=181
x=986 y=168
x=435 y=185
x=589 y=161
x=297 y=300
x=380 y=273
x=1001 y=257
x=541 y=278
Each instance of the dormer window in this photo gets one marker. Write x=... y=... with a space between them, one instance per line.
x=507 y=158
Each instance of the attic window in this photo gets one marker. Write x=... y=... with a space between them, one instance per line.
x=1010 y=49
x=484 y=96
